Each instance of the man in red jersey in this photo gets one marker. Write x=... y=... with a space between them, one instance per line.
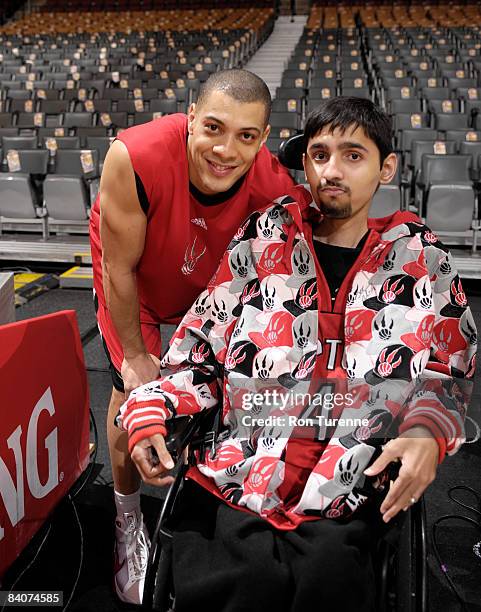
x=173 y=193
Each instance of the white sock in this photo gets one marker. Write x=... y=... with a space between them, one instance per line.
x=127 y=503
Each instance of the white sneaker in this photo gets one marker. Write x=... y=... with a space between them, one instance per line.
x=131 y=554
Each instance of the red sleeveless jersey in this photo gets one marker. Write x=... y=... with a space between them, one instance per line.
x=185 y=239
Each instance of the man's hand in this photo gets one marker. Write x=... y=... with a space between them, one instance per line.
x=138 y=371
x=153 y=470
x=418 y=452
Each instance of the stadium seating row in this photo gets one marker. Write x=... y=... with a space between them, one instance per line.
x=437 y=129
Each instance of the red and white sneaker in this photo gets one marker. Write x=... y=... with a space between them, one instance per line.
x=131 y=552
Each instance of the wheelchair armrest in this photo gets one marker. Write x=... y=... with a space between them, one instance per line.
x=178 y=430
x=195 y=430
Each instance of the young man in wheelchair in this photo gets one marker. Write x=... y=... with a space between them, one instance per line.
x=285 y=514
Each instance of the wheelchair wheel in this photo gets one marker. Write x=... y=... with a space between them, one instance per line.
x=401 y=567
x=411 y=564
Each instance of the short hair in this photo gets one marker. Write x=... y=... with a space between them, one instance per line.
x=242 y=85
x=345 y=112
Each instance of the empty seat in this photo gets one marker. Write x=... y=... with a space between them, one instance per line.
x=84 y=132
x=19 y=142
x=53 y=107
x=463 y=135
x=429 y=147
x=129 y=106
x=19 y=94
x=95 y=86
x=445 y=180
x=148 y=93
x=289 y=106
x=406 y=137
x=451 y=121
x=444 y=106
x=358 y=92
x=53 y=143
x=27 y=160
x=406 y=121
x=405 y=106
x=66 y=199
x=113 y=120
x=285 y=120
x=6 y=120
x=290 y=92
x=46 y=94
x=473 y=149
x=140 y=118
x=74 y=120
x=435 y=93
x=67 y=194
x=389 y=82
x=77 y=163
x=100 y=144
x=166 y=107
x=455 y=83
x=401 y=93
x=111 y=93
x=282 y=133
x=96 y=106
x=8 y=131
x=30 y=120
x=21 y=106
x=386 y=201
x=19 y=202
x=9 y=85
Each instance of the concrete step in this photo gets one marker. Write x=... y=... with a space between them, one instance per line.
x=270 y=60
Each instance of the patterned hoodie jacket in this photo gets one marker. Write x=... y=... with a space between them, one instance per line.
x=407 y=338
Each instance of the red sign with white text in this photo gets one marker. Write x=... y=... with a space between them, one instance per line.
x=44 y=424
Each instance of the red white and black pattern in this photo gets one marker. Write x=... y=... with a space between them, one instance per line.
x=405 y=317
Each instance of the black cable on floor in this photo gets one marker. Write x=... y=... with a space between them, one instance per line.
x=81 y=554
x=476 y=548
x=25 y=570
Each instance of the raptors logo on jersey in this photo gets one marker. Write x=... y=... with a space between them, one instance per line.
x=192 y=255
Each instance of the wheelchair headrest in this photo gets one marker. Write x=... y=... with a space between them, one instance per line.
x=290 y=152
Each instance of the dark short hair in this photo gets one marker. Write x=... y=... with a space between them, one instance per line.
x=242 y=85
x=352 y=112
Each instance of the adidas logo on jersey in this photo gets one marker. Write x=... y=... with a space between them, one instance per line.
x=200 y=222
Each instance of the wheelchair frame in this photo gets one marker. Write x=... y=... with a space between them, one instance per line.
x=401 y=570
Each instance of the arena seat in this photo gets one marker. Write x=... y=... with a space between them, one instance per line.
x=386 y=201
x=20 y=196
x=70 y=189
x=442 y=180
x=19 y=142
x=19 y=203
x=63 y=142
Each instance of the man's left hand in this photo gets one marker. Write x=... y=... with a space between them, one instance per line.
x=418 y=452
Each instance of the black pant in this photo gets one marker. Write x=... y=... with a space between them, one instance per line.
x=225 y=560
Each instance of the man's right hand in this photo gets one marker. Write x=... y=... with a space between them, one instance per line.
x=151 y=471
x=139 y=370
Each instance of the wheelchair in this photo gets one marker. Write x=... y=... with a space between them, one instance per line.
x=400 y=565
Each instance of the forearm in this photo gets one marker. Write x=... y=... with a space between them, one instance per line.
x=120 y=287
